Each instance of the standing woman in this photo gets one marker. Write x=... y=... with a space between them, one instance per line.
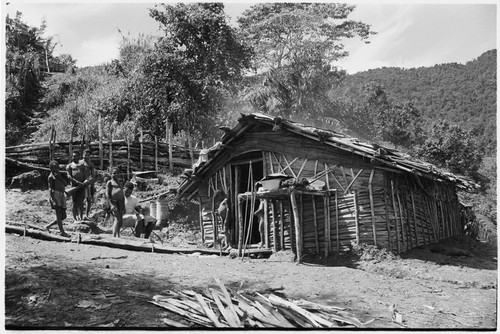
x=116 y=198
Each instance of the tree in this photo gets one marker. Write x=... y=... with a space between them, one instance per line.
x=186 y=75
x=25 y=50
x=451 y=147
x=295 y=45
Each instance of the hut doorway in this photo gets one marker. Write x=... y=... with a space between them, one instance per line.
x=246 y=172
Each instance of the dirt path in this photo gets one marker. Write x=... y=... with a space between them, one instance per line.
x=54 y=284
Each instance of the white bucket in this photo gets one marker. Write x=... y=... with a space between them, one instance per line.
x=162 y=210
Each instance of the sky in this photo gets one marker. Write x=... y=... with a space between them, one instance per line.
x=408 y=34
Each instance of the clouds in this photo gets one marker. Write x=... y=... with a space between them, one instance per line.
x=408 y=35
x=422 y=35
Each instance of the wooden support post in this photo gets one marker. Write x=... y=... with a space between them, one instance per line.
x=282 y=227
x=111 y=150
x=403 y=236
x=266 y=224
x=387 y=222
x=326 y=204
x=326 y=175
x=275 y=237
x=415 y=218
x=156 y=153
x=141 y=151
x=337 y=220
x=301 y=212
x=395 y=216
x=202 y=228
x=372 y=206
x=356 y=215
x=169 y=128
x=240 y=229
x=101 y=147
x=128 y=155
x=290 y=227
x=315 y=216
x=298 y=227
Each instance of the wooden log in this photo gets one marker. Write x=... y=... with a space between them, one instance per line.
x=298 y=227
x=372 y=206
x=395 y=215
x=402 y=221
x=356 y=218
x=315 y=217
x=282 y=227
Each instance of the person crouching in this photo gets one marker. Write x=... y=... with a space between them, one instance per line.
x=135 y=216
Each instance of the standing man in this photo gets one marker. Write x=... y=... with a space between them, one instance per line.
x=89 y=176
x=77 y=179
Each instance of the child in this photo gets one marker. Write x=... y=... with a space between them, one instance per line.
x=116 y=198
x=57 y=197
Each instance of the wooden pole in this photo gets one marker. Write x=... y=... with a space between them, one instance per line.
x=156 y=153
x=298 y=227
x=128 y=155
x=141 y=139
x=240 y=228
x=396 y=216
x=372 y=206
x=275 y=237
x=403 y=236
x=356 y=215
x=337 y=220
x=415 y=218
x=282 y=227
x=202 y=228
x=315 y=216
x=111 y=150
x=101 y=147
x=387 y=222
x=326 y=216
x=266 y=224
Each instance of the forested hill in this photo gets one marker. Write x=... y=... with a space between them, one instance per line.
x=462 y=94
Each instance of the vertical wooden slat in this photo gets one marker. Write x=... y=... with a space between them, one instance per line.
x=372 y=207
x=415 y=218
x=273 y=213
x=325 y=205
x=387 y=222
x=337 y=221
x=202 y=229
x=396 y=216
x=315 y=217
x=282 y=227
x=266 y=224
x=326 y=175
x=356 y=215
x=156 y=153
x=298 y=227
x=141 y=151
x=240 y=229
x=402 y=221
x=329 y=223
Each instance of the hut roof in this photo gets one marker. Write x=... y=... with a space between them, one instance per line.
x=380 y=156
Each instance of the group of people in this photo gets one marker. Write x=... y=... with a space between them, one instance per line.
x=81 y=174
x=126 y=209
x=121 y=204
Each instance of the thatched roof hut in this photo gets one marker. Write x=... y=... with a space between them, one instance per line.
x=320 y=190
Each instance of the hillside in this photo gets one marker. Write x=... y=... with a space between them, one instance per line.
x=464 y=94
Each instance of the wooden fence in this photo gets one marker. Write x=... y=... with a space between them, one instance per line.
x=136 y=156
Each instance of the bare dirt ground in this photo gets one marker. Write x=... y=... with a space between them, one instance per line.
x=77 y=286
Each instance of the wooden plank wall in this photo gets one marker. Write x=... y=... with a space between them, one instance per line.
x=370 y=206
x=209 y=201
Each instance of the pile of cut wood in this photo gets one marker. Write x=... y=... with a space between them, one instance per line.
x=250 y=309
